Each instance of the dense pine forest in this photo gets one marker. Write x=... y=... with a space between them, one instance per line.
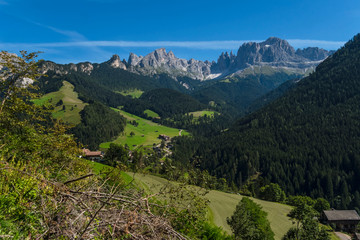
x=306 y=141
x=98 y=124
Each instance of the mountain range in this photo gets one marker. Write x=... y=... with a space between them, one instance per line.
x=273 y=52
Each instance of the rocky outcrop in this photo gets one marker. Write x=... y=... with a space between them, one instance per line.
x=160 y=61
x=314 y=53
x=115 y=62
x=134 y=59
x=273 y=52
x=85 y=67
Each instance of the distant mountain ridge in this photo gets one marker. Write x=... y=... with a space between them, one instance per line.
x=273 y=52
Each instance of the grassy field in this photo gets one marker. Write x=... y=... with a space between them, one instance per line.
x=152 y=114
x=222 y=205
x=146 y=133
x=73 y=105
x=202 y=113
x=134 y=93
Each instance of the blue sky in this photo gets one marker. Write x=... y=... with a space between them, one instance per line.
x=93 y=30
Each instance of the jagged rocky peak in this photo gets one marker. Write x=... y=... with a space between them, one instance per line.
x=224 y=62
x=134 y=59
x=159 y=61
x=278 y=47
x=116 y=62
x=85 y=67
x=314 y=53
x=160 y=54
x=272 y=50
x=171 y=54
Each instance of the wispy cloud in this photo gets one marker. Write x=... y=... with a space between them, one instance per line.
x=231 y=44
x=2 y=2
x=74 y=37
x=136 y=44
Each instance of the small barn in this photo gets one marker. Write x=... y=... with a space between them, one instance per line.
x=344 y=220
x=93 y=155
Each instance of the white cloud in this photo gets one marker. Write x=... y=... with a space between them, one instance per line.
x=137 y=44
x=231 y=44
x=74 y=37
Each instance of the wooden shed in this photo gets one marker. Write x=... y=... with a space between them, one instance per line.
x=344 y=220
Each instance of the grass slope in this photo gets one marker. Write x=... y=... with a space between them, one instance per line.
x=146 y=133
x=198 y=114
x=152 y=114
x=222 y=205
x=134 y=93
x=73 y=105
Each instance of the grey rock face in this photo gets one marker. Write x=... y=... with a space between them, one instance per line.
x=313 y=53
x=273 y=52
x=160 y=61
x=134 y=59
x=84 y=67
x=115 y=62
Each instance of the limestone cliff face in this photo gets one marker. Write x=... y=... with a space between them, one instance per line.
x=273 y=52
x=85 y=67
x=160 y=61
x=115 y=62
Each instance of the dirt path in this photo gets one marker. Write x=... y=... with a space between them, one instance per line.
x=342 y=236
x=180 y=132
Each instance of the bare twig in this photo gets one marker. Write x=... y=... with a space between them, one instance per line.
x=78 y=179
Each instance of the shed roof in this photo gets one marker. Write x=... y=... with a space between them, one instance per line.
x=339 y=215
x=89 y=153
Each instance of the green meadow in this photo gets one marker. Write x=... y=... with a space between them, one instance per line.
x=152 y=114
x=146 y=133
x=134 y=93
x=198 y=114
x=222 y=205
x=69 y=110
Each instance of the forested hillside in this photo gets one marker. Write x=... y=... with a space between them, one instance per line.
x=307 y=141
x=98 y=124
x=237 y=93
x=118 y=79
x=167 y=102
